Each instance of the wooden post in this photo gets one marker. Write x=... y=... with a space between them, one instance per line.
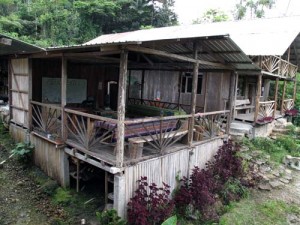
x=106 y=189
x=282 y=98
x=232 y=98
x=259 y=82
x=64 y=78
x=179 y=90
x=143 y=84
x=206 y=92
x=121 y=107
x=194 y=96
x=236 y=83
x=77 y=174
x=276 y=97
x=295 y=90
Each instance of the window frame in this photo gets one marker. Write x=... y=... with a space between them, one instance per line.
x=186 y=83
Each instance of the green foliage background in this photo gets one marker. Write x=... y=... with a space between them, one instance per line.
x=67 y=22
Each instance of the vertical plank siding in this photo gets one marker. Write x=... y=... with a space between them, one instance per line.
x=166 y=168
x=48 y=158
x=17 y=133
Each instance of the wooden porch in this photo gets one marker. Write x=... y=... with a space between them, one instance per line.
x=93 y=138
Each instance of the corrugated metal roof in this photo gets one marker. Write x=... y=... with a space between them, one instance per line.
x=255 y=37
x=17 y=47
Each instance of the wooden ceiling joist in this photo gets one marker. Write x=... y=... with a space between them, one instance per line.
x=173 y=56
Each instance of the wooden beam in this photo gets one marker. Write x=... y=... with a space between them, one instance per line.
x=174 y=56
x=5 y=41
x=194 y=96
x=259 y=82
x=283 y=97
x=121 y=108
x=276 y=97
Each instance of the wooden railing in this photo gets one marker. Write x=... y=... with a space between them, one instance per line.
x=211 y=124
x=165 y=105
x=46 y=119
x=96 y=136
x=266 y=109
x=278 y=66
x=87 y=131
x=288 y=104
x=154 y=134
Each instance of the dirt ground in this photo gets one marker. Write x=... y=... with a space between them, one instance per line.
x=21 y=201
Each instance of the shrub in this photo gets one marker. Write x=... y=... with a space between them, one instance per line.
x=226 y=163
x=183 y=197
x=150 y=205
x=233 y=190
x=62 y=196
x=109 y=217
x=222 y=177
x=23 y=151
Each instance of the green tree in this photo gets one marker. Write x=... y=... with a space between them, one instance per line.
x=211 y=16
x=66 y=22
x=256 y=8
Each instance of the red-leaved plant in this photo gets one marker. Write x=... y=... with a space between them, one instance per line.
x=205 y=186
x=150 y=205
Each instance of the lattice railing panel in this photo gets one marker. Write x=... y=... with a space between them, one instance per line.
x=89 y=132
x=156 y=134
x=208 y=125
x=288 y=104
x=46 y=119
x=270 y=64
x=266 y=109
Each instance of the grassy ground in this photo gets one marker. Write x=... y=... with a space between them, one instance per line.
x=253 y=211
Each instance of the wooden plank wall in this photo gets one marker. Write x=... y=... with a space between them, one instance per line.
x=218 y=91
x=167 y=83
x=18 y=133
x=163 y=82
x=166 y=168
x=93 y=73
x=19 y=91
x=48 y=158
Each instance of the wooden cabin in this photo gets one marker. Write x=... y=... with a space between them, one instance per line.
x=150 y=103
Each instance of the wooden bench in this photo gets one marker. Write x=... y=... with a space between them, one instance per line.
x=243 y=104
x=136 y=144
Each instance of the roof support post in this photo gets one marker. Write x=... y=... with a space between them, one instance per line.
x=232 y=98
x=295 y=90
x=206 y=92
x=235 y=85
x=258 y=93
x=283 y=98
x=194 y=95
x=276 y=97
x=121 y=107
x=64 y=78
